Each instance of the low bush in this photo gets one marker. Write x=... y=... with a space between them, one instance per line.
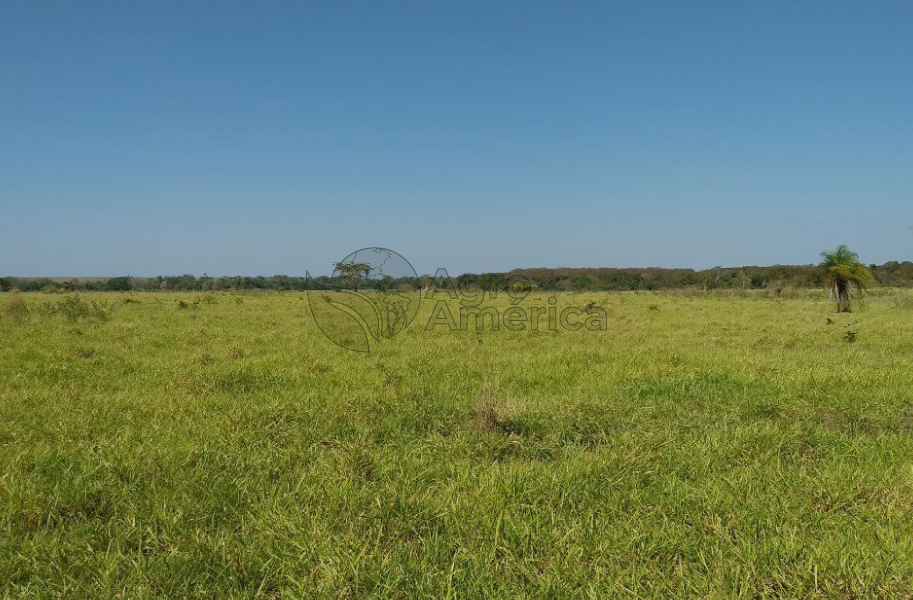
x=73 y=308
x=15 y=307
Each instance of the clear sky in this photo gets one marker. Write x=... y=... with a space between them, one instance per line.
x=273 y=137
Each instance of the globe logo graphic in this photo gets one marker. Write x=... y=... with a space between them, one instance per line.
x=371 y=297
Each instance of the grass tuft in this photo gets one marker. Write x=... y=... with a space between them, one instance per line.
x=15 y=307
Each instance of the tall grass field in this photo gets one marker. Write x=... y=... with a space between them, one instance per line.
x=167 y=445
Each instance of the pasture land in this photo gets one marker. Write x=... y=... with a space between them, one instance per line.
x=219 y=446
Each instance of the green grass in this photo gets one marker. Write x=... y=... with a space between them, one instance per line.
x=702 y=446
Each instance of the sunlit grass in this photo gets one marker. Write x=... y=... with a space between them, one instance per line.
x=702 y=446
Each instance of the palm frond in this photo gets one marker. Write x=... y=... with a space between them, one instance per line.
x=843 y=266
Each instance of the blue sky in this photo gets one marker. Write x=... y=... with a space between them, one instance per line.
x=269 y=137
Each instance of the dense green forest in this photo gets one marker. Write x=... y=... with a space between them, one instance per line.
x=891 y=274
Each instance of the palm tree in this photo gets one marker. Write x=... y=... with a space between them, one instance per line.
x=842 y=269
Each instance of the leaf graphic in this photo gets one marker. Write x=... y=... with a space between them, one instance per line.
x=348 y=319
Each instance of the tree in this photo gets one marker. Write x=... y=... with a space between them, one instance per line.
x=118 y=284
x=841 y=270
x=353 y=271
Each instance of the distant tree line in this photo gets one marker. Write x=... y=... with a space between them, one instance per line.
x=890 y=274
x=176 y=283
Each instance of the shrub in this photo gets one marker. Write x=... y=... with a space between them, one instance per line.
x=15 y=307
x=590 y=305
x=73 y=308
x=118 y=284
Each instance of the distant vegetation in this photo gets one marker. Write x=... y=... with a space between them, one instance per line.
x=775 y=279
